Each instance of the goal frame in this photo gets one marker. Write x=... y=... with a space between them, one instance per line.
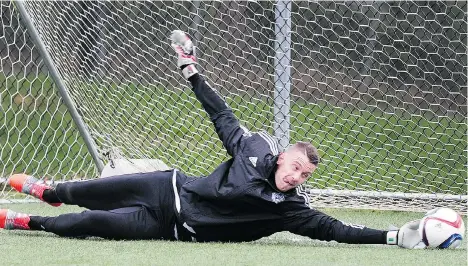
x=281 y=105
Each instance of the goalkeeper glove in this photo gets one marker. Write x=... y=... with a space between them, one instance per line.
x=185 y=50
x=406 y=237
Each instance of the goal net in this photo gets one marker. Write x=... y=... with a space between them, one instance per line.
x=37 y=134
x=379 y=87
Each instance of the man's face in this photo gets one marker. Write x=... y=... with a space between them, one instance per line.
x=293 y=170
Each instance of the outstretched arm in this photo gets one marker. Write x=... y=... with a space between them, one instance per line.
x=317 y=225
x=226 y=124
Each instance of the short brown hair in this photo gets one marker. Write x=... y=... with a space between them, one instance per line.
x=309 y=150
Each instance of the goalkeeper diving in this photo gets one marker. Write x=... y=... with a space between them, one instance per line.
x=254 y=194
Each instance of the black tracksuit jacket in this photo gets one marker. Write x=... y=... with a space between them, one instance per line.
x=239 y=201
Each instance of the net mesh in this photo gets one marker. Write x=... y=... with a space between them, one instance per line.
x=379 y=87
x=37 y=135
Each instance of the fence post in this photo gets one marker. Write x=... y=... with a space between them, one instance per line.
x=282 y=63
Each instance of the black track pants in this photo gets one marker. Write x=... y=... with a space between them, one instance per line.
x=134 y=206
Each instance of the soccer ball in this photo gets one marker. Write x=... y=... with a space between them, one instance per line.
x=442 y=228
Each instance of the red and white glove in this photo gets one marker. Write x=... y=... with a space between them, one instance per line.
x=185 y=50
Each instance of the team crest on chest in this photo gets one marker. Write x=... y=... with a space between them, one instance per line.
x=277 y=197
x=253 y=160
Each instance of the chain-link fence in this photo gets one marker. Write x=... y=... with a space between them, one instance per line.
x=379 y=87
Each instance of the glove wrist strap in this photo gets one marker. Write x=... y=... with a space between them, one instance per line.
x=392 y=237
x=189 y=71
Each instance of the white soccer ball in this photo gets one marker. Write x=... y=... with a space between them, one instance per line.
x=442 y=228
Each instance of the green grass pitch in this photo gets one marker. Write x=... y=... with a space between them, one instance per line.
x=41 y=248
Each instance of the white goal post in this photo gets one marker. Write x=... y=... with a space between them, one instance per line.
x=379 y=87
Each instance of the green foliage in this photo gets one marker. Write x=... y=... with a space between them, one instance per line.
x=361 y=149
x=37 y=133
x=390 y=150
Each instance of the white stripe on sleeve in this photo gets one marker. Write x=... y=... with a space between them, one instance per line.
x=271 y=142
x=301 y=191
